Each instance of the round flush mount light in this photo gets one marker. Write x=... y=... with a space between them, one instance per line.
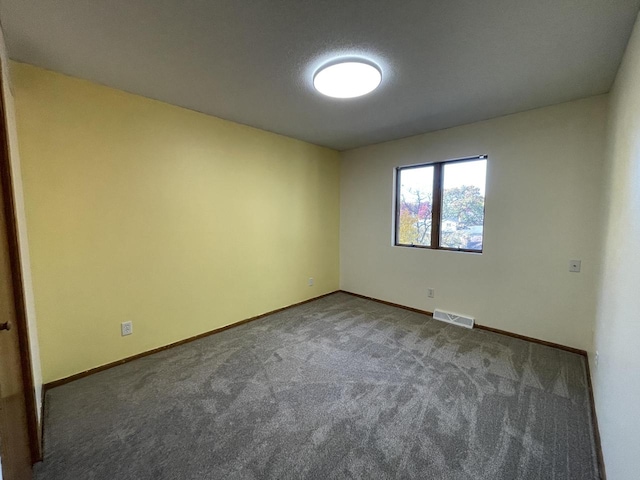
x=347 y=79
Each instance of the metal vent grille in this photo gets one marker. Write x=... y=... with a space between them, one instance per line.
x=454 y=318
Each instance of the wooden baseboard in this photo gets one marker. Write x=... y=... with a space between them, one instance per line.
x=531 y=339
x=594 y=420
x=480 y=327
x=391 y=304
x=91 y=371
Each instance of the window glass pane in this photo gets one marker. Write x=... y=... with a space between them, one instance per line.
x=416 y=201
x=462 y=218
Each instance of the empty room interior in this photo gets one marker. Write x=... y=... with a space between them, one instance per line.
x=320 y=240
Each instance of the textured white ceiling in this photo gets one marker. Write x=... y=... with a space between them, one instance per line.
x=444 y=62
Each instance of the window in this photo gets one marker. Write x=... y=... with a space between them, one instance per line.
x=441 y=205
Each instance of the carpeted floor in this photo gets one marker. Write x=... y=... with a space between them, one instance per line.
x=338 y=388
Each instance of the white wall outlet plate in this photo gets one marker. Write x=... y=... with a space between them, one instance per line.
x=126 y=328
x=574 y=266
x=310 y=282
x=431 y=292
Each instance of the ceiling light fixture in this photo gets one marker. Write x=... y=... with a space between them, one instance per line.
x=348 y=79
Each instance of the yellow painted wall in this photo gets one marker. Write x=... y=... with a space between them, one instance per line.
x=181 y=222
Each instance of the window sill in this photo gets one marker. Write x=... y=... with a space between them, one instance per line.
x=425 y=247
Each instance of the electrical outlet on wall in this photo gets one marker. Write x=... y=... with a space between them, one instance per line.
x=574 y=266
x=431 y=293
x=596 y=358
x=310 y=282
x=126 y=328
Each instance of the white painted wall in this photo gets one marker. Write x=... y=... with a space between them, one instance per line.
x=616 y=378
x=25 y=261
x=542 y=210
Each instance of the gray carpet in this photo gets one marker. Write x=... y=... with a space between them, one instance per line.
x=338 y=388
